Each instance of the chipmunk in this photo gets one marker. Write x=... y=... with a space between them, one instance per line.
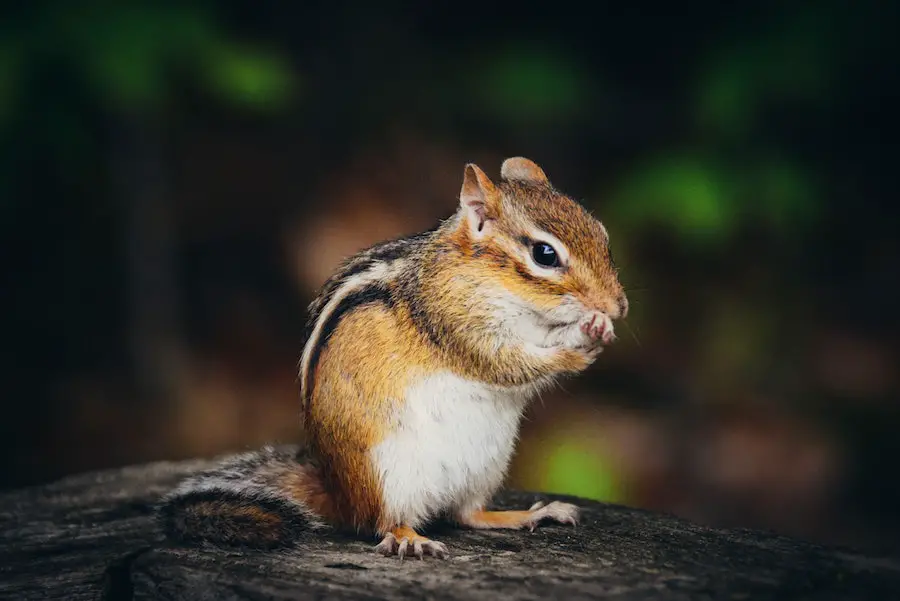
x=422 y=355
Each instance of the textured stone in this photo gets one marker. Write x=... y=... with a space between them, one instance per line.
x=94 y=536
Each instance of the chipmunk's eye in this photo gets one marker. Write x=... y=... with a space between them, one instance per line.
x=544 y=255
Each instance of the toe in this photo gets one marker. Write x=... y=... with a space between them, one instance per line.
x=402 y=549
x=387 y=545
x=439 y=550
x=418 y=550
x=564 y=513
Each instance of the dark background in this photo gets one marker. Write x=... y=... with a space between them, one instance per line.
x=177 y=179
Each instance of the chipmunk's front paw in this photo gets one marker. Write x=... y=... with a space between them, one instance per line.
x=411 y=545
x=564 y=513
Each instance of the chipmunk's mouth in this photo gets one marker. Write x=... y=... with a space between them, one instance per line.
x=596 y=326
x=569 y=327
x=586 y=336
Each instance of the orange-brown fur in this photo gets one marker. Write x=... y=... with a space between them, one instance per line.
x=353 y=402
x=358 y=387
x=355 y=387
x=498 y=519
x=307 y=483
x=401 y=532
x=470 y=355
x=590 y=277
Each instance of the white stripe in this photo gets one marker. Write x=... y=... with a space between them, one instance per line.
x=378 y=272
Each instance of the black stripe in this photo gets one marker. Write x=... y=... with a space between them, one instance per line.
x=374 y=293
x=331 y=286
x=352 y=270
x=425 y=325
x=524 y=273
x=391 y=251
x=220 y=516
x=385 y=251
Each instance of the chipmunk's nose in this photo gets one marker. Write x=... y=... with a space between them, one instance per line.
x=614 y=307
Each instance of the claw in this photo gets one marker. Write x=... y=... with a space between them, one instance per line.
x=387 y=546
x=407 y=546
x=563 y=513
x=599 y=329
x=440 y=550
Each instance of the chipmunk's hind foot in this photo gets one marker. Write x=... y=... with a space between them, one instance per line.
x=557 y=511
x=404 y=542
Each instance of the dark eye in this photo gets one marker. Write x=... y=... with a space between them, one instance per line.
x=544 y=255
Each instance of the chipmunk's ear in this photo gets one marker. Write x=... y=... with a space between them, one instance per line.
x=520 y=168
x=479 y=200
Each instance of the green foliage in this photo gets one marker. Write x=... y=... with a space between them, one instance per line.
x=791 y=61
x=11 y=68
x=128 y=53
x=680 y=192
x=728 y=320
x=575 y=470
x=700 y=196
x=248 y=76
x=703 y=201
x=528 y=85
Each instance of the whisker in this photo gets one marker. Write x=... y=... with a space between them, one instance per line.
x=633 y=335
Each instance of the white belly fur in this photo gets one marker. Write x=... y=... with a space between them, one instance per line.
x=450 y=448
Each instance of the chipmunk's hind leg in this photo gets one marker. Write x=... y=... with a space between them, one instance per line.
x=403 y=541
x=564 y=513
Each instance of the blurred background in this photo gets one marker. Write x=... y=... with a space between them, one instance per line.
x=177 y=179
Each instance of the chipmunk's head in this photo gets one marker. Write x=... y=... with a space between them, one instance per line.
x=557 y=287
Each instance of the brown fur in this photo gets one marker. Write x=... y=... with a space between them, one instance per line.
x=306 y=482
x=353 y=403
x=458 y=266
x=267 y=525
x=499 y=519
x=415 y=318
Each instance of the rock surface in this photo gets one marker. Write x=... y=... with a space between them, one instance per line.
x=94 y=536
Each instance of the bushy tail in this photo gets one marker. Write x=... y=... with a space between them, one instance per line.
x=258 y=499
